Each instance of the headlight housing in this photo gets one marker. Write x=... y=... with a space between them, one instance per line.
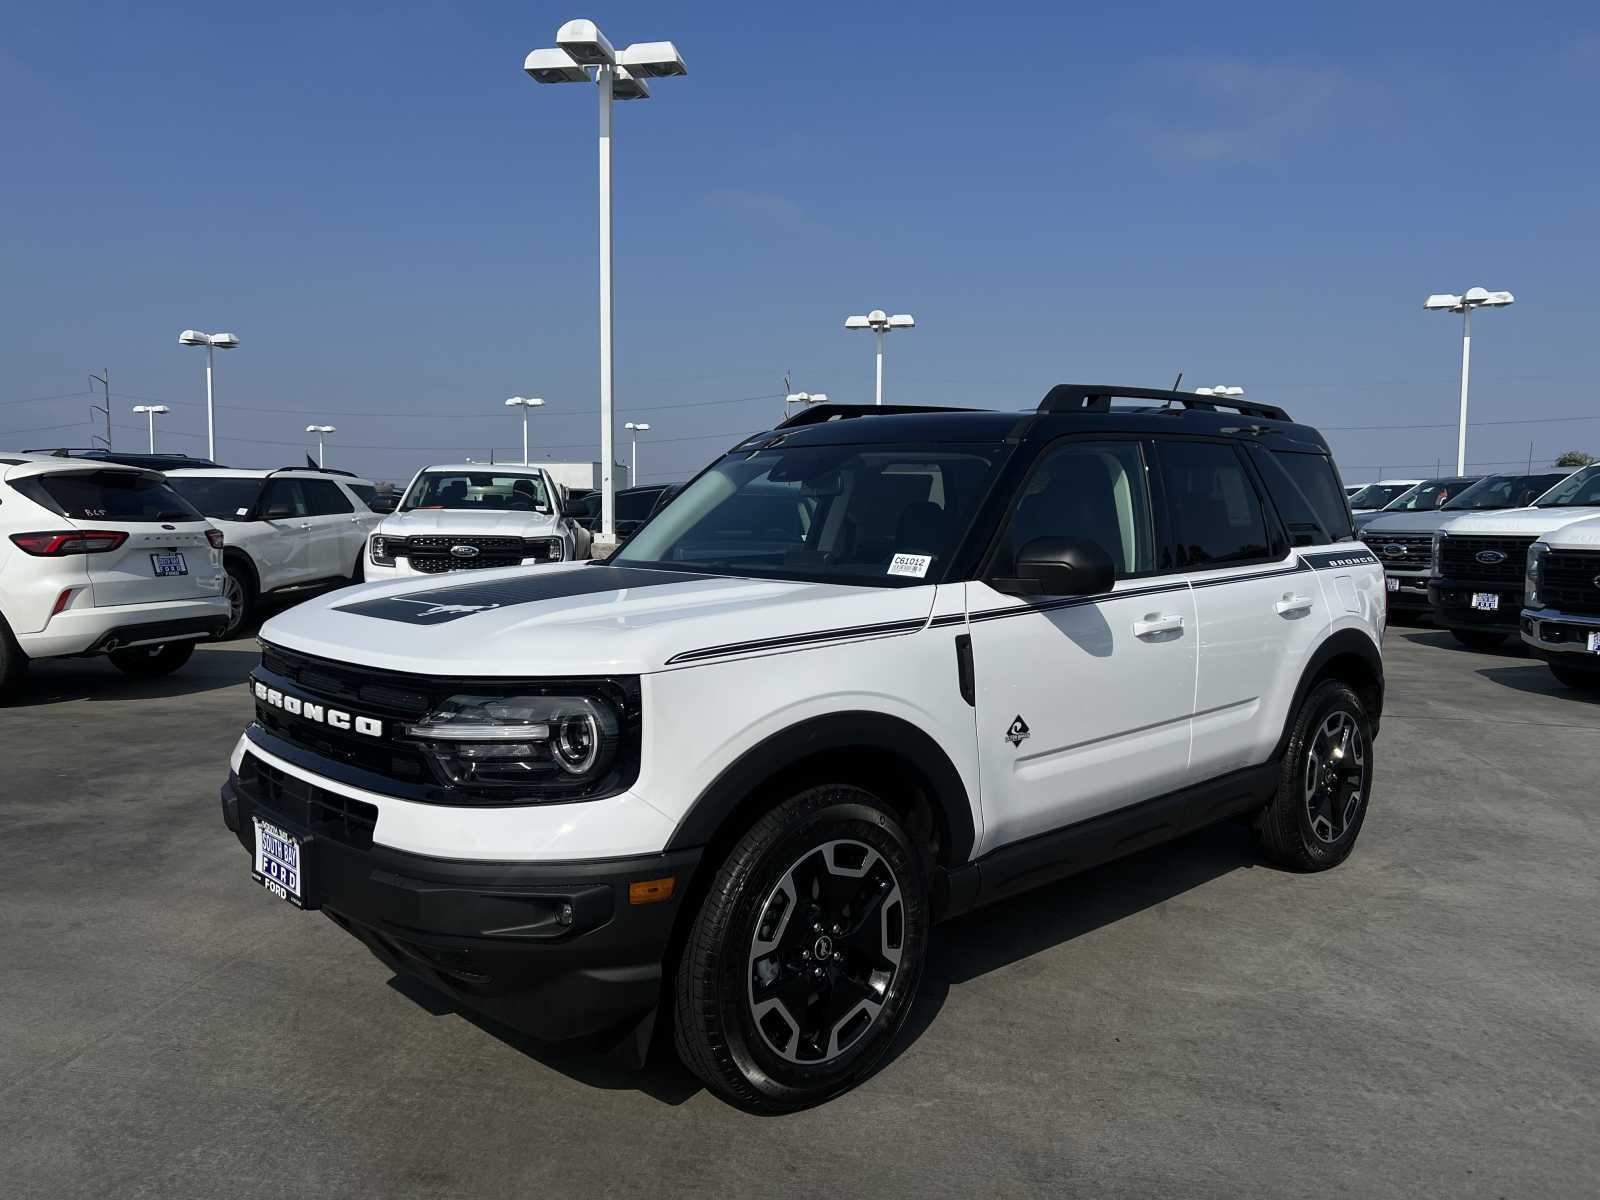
x=382 y=555
x=543 y=549
x=1536 y=555
x=1438 y=551
x=534 y=742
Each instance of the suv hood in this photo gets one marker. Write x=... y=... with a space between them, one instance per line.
x=584 y=619
x=1530 y=522
x=1412 y=522
x=456 y=520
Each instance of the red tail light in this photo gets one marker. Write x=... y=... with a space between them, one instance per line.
x=214 y=536
x=69 y=541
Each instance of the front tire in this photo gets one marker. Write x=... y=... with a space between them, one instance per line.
x=803 y=961
x=149 y=661
x=1476 y=640
x=1316 y=814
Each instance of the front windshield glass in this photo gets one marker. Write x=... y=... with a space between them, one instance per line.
x=1425 y=496
x=218 y=498
x=1581 y=489
x=1376 y=495
x=1505 y=491
x=477 y=491
x=885 y=515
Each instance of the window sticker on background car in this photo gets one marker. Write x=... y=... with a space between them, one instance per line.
x=914 y=565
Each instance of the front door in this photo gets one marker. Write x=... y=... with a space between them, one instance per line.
x=1083 y=703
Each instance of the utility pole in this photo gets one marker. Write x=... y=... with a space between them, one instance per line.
x=104 y=381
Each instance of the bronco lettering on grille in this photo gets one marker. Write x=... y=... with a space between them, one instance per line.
x=334 y=718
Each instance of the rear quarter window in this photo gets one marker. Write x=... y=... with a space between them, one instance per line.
x=1307 y=493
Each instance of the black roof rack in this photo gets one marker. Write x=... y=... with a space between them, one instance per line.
x=1093 y=397
x=314 y=470
x=816 y=414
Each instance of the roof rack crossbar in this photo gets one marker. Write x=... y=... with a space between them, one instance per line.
x=816 y=414
x=1091 y=397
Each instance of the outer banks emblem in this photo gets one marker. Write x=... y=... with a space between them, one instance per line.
x=1018 y=731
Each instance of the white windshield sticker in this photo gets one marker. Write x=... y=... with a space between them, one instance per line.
x=914 y=565
x=241 y=512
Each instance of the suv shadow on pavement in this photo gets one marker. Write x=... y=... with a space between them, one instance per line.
x=61 y=680
x=1535 y=679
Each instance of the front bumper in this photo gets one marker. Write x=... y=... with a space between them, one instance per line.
x=555 y=949
x=100 y=630
x=1406 y=590
x=1451 y=602
x=1561 y=638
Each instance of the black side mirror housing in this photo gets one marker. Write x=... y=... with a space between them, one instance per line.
x=384 y=504
x=278 y=512
x=1059 y=566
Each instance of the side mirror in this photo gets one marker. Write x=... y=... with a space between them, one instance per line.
x=384 y=504
x=1059 y=566
x=277 y=512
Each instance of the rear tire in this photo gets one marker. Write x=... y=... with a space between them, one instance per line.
x=1474 y=639
x=239 y=586
x=1315 y=816
x=358 y=573
x=150 y=661
x=803 y=960
x=1572 y=677
x=13 y=664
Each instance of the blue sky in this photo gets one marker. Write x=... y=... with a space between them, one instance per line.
x=400 y=225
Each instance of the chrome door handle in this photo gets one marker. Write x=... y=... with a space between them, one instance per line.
x=1155 y=623
x=1292 y=603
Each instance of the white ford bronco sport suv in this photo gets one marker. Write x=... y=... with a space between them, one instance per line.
x=866 y=671
x=472 y=518
x=289 y=529
x=98 y=558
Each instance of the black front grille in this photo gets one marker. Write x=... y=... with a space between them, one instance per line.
x=305 y=806
x=1460 y=558
x=434 y=554
x=1414 y=549
x=1568 y=581
x=385 y=693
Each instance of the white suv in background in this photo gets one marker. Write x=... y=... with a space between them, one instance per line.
x=473 y=516
x=297 y=527
x=97 y=558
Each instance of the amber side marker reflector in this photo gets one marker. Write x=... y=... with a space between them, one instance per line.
x=651 y=891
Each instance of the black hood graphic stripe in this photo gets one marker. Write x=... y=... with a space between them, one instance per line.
x=436 y=605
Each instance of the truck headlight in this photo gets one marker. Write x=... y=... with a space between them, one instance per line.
x=382 y=554
x=556 y=744
x=1536 y=554
x=1438 y=552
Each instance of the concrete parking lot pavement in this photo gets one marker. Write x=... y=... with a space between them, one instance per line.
x=1424 y=1021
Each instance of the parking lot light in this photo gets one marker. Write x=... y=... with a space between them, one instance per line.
x=1473 y=297
x=635 y=428
x=524 y=403
x=212 y=342
x=881 y=323
x=150 y=411
x=320 y=431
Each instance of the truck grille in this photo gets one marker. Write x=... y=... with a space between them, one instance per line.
x=1406 y=550
x=434 y=554
x=306 y=806
x=1567 y=581
x=1459 y=559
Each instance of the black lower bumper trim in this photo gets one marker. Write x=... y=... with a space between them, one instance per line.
x=1451 y=604
x=187 y=629
x=554 y=949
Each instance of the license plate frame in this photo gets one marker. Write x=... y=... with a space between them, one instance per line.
x=278 y=862
x=169 y=563
x=1391 y=583
x=1486 y=601
x=1593 y=641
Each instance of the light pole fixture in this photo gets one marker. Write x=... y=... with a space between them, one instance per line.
x=1470 y=299
x=321 y=430
x=620 y=74
x=212 y=342
x=804 y=399
x=1219 y=391
x=635 y=428
x=150 y=411
x=881 y=323
x=524 y=403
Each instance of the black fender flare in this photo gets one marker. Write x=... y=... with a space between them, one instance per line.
x=925 y=759
x=1346 y=642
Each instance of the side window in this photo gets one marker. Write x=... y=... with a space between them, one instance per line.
x=323 y=498
x=366 y=491
x=1307 y=492
x=1216 y=515
x=1096 y=491
x=282 y=499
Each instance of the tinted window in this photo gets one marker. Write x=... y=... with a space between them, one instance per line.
x=111 y=496
x=323 y=498
x=282 y=499
x=1216 y=515
x=1095 y=491
x=1427 y=496
x=221 y=499
x=1377 y=495
x=886 y=514
x=477 y=491
x=1308 y=495
x=1583 y=488
x=366 y=491
x=1505 y=491
x=636 y=505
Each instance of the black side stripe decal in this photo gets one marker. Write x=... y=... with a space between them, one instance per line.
x=1304 y=563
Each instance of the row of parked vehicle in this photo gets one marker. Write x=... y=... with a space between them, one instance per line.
x=140 y=557
x=1498 y=556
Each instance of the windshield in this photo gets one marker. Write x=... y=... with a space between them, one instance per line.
x=219 y=499
x=477 y=491
x=1582 y=488
x=1376 y=495
x=1505 y=491
x=884 y=515
x=113 y=496
x=1432 y=494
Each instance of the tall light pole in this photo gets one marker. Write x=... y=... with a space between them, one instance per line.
x=881 y=323
x=621 y=75
x=212 y=342
x=320 y=430
x=635 y=428
x=1470 y=299
x=150 y=411
x=524 y=403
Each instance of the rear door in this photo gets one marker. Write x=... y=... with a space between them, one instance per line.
x=283 y=557
x=336 y=531
x=164 y=553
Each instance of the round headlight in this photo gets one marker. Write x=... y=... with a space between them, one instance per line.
x=576 y=743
